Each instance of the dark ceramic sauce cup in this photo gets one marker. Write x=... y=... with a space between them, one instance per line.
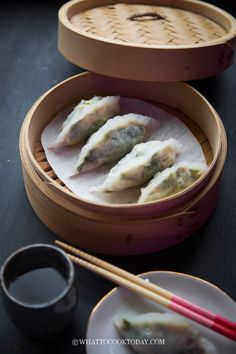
x=40 y=319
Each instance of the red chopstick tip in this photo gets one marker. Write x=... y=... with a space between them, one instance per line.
x=225 y=331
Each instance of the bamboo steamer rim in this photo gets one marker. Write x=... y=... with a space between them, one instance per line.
x=64 y=20
x=44 y=187
x=25 y=144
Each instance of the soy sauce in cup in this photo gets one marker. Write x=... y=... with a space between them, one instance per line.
x=39 y=291
x=37 y=286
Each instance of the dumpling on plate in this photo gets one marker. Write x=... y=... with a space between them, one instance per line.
x=112 y=141
x=87 y=117
x=162 y=333
x=172 y=180
x=140 y=165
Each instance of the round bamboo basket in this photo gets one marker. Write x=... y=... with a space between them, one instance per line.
x=189 y=105
x=126 y=228
x=164 y=40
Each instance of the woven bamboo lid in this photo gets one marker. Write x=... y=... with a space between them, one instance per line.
x=164 y=40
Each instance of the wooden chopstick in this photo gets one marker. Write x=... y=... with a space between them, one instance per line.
x=150 y=286
x=152 y=292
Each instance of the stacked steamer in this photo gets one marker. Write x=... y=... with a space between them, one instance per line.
x=162 y=41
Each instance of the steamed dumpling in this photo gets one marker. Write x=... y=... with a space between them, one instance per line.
x=140 y=165
x=112 y=141
x=172 y=180
x=178 y=335
x=87 y=117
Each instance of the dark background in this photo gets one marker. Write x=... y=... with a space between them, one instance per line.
x=30 y=65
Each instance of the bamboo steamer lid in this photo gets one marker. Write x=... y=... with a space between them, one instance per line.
x=154 y=40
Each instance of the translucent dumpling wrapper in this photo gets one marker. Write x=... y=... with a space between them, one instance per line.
x=172 y=180
x=162 y=333
x=112 y=141
x=86 y=118
x=162 y=126
x=140 y=165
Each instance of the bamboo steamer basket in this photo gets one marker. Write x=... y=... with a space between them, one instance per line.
x=136 y=56
x=187 y=102
x=154 y=40
x=122 y=229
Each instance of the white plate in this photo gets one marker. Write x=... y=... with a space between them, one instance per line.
x=120 y=301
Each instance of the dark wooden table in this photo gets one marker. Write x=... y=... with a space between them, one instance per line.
x=30 y=65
